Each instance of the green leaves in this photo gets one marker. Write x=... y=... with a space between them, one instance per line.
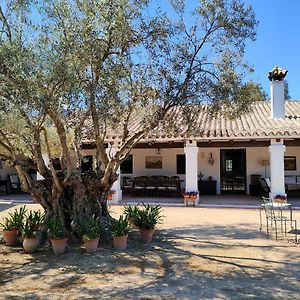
x=90 y=228
x=56 y=228
x=148 y=216
x=15 y=219
x=120 y=227
x=32 y=224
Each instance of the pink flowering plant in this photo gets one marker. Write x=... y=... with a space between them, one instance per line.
x=190 y=194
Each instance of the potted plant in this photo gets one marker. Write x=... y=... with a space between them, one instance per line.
x=110 y=194
x=190 y=197
x=13 y=225
x=90 y=230
x=58 y=235
x=120 y=229
x=146 y=220
x=131 y=212
x=31 y=227
x=10 y=233
x=280 y=198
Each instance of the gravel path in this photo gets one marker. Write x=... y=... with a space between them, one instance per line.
x=197 y=253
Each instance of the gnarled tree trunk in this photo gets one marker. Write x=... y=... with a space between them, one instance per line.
x=81 y=196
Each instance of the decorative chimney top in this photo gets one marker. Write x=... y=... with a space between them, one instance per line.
x=277 y=74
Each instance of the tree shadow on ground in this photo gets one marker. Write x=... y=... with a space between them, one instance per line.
x=198 y=262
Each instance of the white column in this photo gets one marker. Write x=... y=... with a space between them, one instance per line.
x=111 y=151
x=191 y=166
x=276 y=150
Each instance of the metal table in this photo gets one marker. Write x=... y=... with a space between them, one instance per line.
x=280 y=207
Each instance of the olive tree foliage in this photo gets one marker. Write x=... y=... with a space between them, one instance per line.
x=68 y=63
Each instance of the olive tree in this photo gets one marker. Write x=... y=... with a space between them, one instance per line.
x=75 y=69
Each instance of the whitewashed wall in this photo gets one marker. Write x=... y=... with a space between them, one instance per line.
x=168 y=162
x=206 y=168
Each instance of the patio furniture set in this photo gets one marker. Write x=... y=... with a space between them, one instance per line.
x=279 y=218
x=156 y=185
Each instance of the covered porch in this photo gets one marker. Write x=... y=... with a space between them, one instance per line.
x=212 y=168
x=226 y=201
x=216 y=201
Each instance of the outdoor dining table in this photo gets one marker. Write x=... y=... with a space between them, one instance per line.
x=280 y=207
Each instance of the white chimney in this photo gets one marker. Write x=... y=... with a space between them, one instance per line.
x=276 y=76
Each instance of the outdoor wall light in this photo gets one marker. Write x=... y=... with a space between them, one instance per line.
x=265 y=163
x=211 y=159
x=157 y=151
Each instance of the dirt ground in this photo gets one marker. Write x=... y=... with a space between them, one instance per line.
x=197 y=253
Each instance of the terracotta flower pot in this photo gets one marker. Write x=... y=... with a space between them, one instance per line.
x=120 y=242
x=147 y=235
x=91 y=245
x=31 y=244
x=10 y=237
x=59 y=245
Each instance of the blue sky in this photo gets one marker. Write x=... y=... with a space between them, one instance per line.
x=277 y=43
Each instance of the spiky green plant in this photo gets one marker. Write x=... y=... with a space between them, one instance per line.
x=56 y=228
x=7 y=224
x=131 y=211
x=149 y=216
x=32 y=224
x=90 y=228
x=15 y=219
x=120 y=227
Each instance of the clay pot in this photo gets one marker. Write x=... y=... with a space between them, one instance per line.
x=120 y=242
x=91 y=245
x=10 y=237
x=31 y=244
x=59 y=245
x=147 y=235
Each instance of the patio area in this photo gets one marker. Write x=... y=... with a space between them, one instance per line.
x=203 y=253
x=221 y=201
x=226 y=201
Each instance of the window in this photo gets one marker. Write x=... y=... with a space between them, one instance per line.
x=87 y=163
x=228 y=165
x=127 y=165
x=290 y=163
x=180 y=164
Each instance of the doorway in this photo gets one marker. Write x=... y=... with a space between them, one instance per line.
x=233 y=171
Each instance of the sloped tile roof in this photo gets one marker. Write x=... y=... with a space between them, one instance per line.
x=256 y=124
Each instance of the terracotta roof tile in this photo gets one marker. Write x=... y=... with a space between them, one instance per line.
x=256 y=124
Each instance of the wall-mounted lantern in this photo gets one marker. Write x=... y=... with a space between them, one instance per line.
x=211 y=160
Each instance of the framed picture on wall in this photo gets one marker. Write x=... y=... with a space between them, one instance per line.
x=290 y=163
x=153 y=162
